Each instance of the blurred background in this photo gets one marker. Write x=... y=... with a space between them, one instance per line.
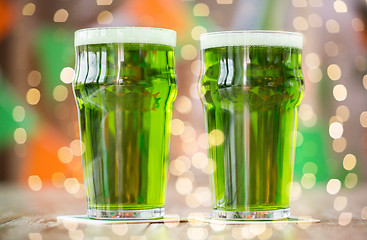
x=39 y=146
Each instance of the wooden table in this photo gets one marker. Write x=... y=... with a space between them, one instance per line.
x=32 y=215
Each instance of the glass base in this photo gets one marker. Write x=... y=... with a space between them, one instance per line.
x=252 y=215
x=126 y=214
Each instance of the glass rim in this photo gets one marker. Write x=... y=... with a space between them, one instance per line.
x=251 y=38
x=143 y=35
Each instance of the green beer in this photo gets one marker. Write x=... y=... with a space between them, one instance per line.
x=125 y=86
x=251 y=87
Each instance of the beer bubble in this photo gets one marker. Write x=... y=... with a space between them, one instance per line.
x=340 y=92
x=34 y=182
x=29 y=9
x=201 y=10
x=349 y=162
x=332 y=26
x=61 y=15
x=333 y=186
x=105 y=17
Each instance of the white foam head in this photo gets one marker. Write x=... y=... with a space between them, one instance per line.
x=251 y=38
x=125 y=35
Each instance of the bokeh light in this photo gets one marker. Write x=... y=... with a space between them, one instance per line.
x=216 y=137
x=18 y=113
x=201 y=10
x=340 y=6
x=67 y=75
x=105 y=17
x=29 y=9
x=334 y=72
x=72 y=185
x=340 y=92
x=197 y=31
x=349 y=162
x=336 y=130
x=34 y=78
x=183 y=104
x=61 y=15
x=224 y=1
x=308 y=180
x=20 y=135
x=35 y=236
x=345 y=218
x=104 y=2
x=119 y=229
x=351 y=180
x=65 y=154
x=333 y=186
x=340 y=203
x=189 y=52
x=332 y=26
x=177 y=127
x=33 y=96
x=35 y=183
x=60 y=93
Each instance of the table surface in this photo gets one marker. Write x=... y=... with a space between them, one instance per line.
x=25 y=214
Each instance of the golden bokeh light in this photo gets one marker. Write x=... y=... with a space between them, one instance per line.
x=224 y=1
x=61 y=15
x=340 y=6
x=332 y=26
x=314 y=74
x=357 y=25
x=77 y=147
x=35 y=183
x=331 y=49
x=199 y=160
x=296 y=191
x=76 y=234
x=333 y=186
x=104 y=2
x=351 y=180
x=67 y=75
x=184 y=185
x=340 y=203
x=315 y=3
x=20 y=135
x=300 y=23
x=72 y=185
x=342 y=112
x=364 y=213
x=60 y=93
x=349 y=162
x=58 y=179
x=194 y=93
x=340 y=144
x=18 y=113
x=312 y=60
x=34 y=236
x=340 y=92
x=334 y=72
x=29 y=9
x=365 y=81
x=183 y=104
x=188 y=134
x=33 y=96
x=363 y=119
x=34 y=78
x=306 y=112
x=197 y=233
x=310 y=167
x=189 y=52
x=105 y=17
x=216 y=137
x=119 y=229
x=308 y=180
x=299 y=3
x=336 y=130
x=65 y=154
x=345 y=218
x=315 y=20
x=197 y=31
x=177 y=127
x=201 y=10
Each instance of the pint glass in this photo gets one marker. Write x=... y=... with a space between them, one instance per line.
x=251 y=86
x=125 y=86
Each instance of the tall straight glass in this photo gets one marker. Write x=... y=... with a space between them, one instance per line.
x=251 y=86
x=125 y=86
